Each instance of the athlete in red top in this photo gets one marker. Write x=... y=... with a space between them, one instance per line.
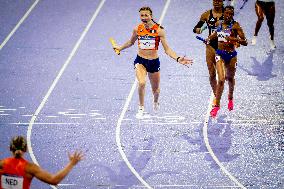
x=17 y=173
x=149 y=34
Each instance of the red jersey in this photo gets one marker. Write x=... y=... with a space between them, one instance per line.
x=148 y=39
x=13 y=174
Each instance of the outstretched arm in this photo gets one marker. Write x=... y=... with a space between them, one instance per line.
x=170 y=52
x=129 y=43
x=54 y=179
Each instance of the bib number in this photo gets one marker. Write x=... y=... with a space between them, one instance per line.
x=147 y=44
x=11 y=182
x=223 y=34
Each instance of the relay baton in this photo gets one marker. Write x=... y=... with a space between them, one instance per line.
x=201 y=39
x=113 y=43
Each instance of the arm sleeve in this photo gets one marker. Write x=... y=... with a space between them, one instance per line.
x=198 y=25
x=201 y=21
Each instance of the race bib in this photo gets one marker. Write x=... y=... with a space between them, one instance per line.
x=222 y=36
x=11 y=182
x=147 y=42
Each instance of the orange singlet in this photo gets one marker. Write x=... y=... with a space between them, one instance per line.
x=148 y=39
x=13 y=174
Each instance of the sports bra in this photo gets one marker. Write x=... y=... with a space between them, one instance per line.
x=211 y=22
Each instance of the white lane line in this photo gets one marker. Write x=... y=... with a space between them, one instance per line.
x=38 y=123
x=185 y=185
x=167 y=123
x=118 y=126
x=66 y=184
x=78 y=43
x=18 y=25
x=206 y=140
x=10 y=109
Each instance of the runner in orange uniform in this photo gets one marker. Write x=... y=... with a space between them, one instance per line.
x=17 y=173
x=149 y=34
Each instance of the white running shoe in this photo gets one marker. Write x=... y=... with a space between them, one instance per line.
x=156 y=106
x=272 y=45
x=253 y=41
x=140 y=112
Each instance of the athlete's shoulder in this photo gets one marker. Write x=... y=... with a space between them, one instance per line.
x=205 y=15
x=31 y=168
x=158 y=27
x=161 y=31
x=236 y=24
x=139 y=26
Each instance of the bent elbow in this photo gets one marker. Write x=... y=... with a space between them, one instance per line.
x=54 y=182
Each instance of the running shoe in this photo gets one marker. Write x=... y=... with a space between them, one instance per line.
x=214 y=111
x=253 y=41
x=140 y=112
x=230 y=104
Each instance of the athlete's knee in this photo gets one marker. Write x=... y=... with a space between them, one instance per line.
x=221 y=79
x=230 y=79
x=156 y=91
x=142 y=84
x=221 y=82
x=212 y=77
x=260 y=19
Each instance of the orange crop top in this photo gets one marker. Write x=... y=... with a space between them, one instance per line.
x=148 y=39
x=13 y=174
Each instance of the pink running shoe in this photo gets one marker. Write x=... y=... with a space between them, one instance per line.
x=230 y=105
x=214 y=111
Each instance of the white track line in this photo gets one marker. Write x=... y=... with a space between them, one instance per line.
x=118 y=126
x=29 y=132
x=206 y=140
x=18 y=25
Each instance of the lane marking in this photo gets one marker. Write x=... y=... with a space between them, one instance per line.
x=19 y=24
x=67 y=62
x=206 y=140
x=66 y=184
x=119 y=122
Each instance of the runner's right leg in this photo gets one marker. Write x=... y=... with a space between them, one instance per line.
x=211 y=65
x=141 y=77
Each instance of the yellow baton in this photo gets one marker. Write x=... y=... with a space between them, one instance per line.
x=113 y=43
